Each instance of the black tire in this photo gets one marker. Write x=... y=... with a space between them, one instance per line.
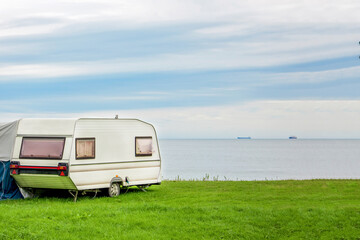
x=114 y=190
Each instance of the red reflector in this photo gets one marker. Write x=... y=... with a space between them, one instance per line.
x=62 y=173
x=14 y=171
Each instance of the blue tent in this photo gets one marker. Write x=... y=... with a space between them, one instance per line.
x=8 y=187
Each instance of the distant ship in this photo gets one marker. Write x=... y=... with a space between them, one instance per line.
x=293 y=137
x=243 y=137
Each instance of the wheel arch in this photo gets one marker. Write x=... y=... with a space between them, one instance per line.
x=116 y=180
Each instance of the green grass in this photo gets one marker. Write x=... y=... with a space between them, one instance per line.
x=312 y=209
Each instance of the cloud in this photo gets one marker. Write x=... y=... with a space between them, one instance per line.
x=196 y=61
x=234 y=82
x=224 y=35
x=258 y=119
x=172 y=11
x=24 y=104
x=97 y=101
x=22 y=30
x=310 y=77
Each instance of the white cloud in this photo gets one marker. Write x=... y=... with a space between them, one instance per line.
x=25 y=103
x=166 y=62
x=258 y=119
x=143 y=13
x=37 y=70
x=146 y=11
x=201 y=60
x=30 y=30
x=309 y=77
x=279 y=33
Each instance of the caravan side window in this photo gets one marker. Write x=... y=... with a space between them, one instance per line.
x=85 y=148
x=42 y=147
x=143 y=146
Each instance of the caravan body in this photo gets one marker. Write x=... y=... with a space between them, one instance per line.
x=83 y=154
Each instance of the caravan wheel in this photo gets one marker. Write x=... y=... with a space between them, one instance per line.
x=114 y=190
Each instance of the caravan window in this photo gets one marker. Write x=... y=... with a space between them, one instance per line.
x=85 y=148
x=43 y=148
x=143 y=146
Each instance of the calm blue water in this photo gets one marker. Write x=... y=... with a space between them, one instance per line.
x=260 y=159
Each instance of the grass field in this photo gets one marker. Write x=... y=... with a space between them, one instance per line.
x=312 y=209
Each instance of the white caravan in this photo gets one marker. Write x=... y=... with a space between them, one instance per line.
x=85 y=154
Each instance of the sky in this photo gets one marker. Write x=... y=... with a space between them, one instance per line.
x=194 y=69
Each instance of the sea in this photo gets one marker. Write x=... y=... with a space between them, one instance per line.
x=259 y=159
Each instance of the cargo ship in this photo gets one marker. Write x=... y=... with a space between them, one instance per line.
x=243 y=137
x=293 y=137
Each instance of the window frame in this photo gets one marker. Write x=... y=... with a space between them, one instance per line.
x=51 y=158
x=146 y=154
x=76 y=147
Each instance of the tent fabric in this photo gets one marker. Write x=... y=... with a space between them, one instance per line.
x=8 y=187
x=7 y=139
